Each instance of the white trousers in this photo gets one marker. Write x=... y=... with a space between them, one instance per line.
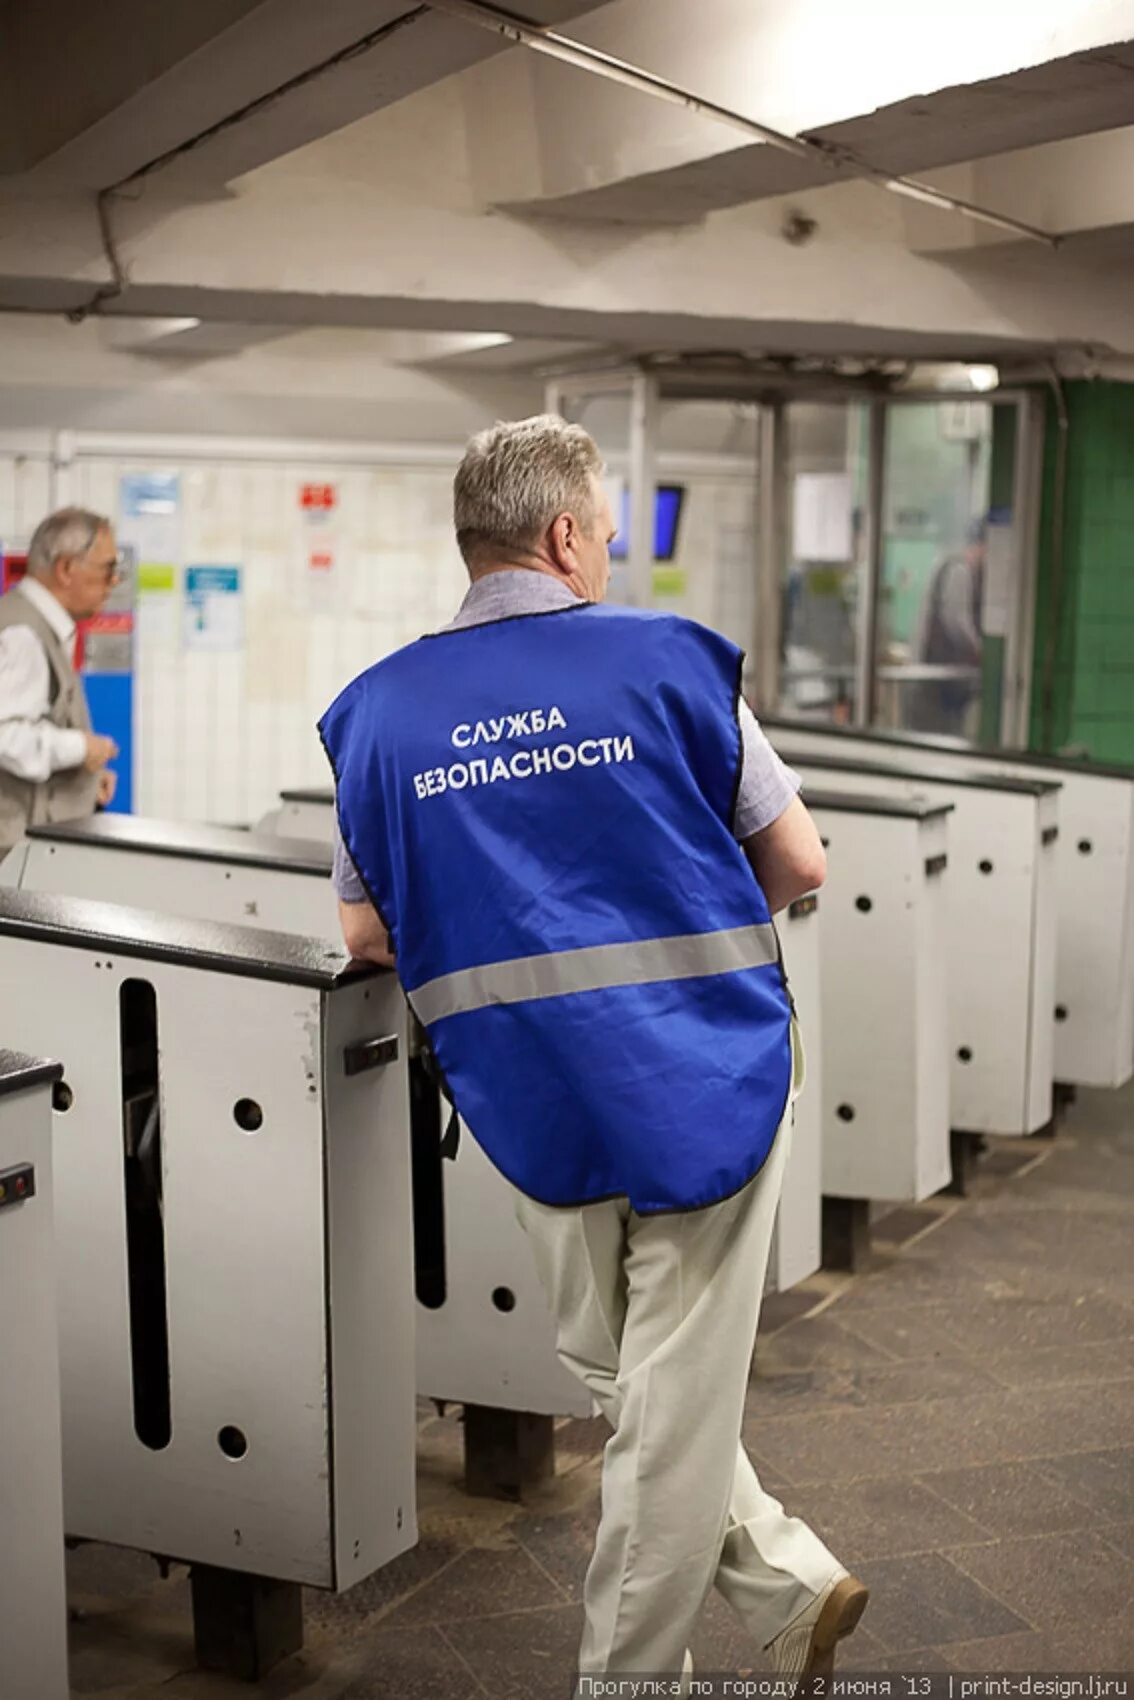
x=657 y=1315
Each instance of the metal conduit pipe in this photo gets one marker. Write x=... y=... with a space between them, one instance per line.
x=116 y=287
x=833 y=156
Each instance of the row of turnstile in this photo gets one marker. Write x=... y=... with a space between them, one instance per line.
x=1084 y=809
x=262 y=1255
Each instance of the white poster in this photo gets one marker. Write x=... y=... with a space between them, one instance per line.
x=319 y=545
x=822 y=516
x=149 y=507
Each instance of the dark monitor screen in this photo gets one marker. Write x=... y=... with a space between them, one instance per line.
x=668 y=502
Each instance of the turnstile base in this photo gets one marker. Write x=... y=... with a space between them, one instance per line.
x=507 y=1452
x=964 y=1149
x=846 y=1233
x=244 y=1625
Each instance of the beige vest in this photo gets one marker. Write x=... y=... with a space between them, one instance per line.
x=70 y=793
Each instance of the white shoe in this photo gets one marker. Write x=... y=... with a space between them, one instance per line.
x=806 y=1647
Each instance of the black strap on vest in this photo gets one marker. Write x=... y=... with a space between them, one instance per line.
x=451 y=1138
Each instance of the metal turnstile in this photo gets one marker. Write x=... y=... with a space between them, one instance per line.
x=207 y=873
x=33 y=1597
x=885 y=995
x=796 y=1241
x=1094 y=967
x=485 y=1334
x=1000 y=934
x=232 y=1212
x=308 y=813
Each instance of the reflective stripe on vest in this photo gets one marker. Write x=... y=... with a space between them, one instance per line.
x=593 y=968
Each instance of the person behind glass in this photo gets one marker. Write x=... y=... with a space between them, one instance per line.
x=53 y=765
x=568 y=826
x=949 y=635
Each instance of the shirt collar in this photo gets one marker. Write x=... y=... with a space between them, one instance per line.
x=524 y=590
x=52 y=610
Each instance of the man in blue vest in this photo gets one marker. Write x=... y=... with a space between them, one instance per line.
x=563 y=823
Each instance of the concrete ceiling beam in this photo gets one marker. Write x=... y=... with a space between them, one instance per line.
x=140 y=81
x=906 y=90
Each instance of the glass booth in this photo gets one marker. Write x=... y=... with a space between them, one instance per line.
x=871 y=549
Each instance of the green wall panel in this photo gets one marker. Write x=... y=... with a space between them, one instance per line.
x=1091 y=703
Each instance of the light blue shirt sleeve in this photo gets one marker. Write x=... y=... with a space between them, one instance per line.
x=344 y=875
x=767 y=785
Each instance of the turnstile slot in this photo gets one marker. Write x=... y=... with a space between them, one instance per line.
x=430 y=1281
x=145 y=1229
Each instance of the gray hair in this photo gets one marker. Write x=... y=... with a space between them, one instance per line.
x=515 y=479
x=68 y=531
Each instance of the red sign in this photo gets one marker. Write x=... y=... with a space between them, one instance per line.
x=318 y=496
x=119 y=623
x=321 y=560
x=116 y=625
x=12 y=569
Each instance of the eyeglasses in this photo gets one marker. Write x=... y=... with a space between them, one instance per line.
x=111 y=570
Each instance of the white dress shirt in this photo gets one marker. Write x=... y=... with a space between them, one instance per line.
x=31 y=747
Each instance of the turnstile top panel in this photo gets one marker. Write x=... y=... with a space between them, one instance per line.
x=914 y=741
x=847 y=802
x=191 y=842
x=310 y=794
x=967 y=780
x=19 y=1072
x=110 y=927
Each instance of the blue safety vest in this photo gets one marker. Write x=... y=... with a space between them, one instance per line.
x=541 y=810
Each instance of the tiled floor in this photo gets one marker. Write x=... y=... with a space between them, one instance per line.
x=958 y=1424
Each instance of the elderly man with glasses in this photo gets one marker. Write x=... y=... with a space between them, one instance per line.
x=53 y=766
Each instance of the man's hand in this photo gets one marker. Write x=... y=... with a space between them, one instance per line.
x=787 y=857
x=107 y=785
x=100 y=750
x=365 y=935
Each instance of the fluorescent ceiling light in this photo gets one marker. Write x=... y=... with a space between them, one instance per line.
x=169 y=327
x=982 y=377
